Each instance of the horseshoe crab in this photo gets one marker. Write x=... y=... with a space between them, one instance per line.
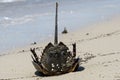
x=56 y=58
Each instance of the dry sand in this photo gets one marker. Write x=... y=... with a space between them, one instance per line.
x=98 y=46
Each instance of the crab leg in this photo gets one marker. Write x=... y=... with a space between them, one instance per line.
x=74 y=49
x=34 y=54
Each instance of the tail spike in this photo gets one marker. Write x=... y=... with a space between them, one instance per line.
x=56 y=25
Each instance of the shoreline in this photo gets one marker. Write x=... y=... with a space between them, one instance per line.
x=84 y=27
x=97 y=45
x=51 y=38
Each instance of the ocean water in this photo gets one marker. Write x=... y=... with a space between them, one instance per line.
x=25 y=21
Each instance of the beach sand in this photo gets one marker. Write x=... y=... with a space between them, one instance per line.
x=97 y=45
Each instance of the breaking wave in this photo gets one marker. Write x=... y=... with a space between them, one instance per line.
x=7 y=21
x=9 y=1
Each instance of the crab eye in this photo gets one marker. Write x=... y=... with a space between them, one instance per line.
x=63 y=53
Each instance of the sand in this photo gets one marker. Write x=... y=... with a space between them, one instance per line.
x=97 y=45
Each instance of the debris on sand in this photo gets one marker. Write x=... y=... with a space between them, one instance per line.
x=64 y=31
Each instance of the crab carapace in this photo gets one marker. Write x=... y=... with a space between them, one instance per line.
x=56 y=58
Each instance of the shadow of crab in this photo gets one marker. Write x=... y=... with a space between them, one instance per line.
x=37 y=73
x=80 y=68
x=40 y=74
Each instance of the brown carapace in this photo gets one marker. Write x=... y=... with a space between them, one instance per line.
x=56 y=58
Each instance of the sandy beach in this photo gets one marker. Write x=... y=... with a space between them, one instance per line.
x=97 y=45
